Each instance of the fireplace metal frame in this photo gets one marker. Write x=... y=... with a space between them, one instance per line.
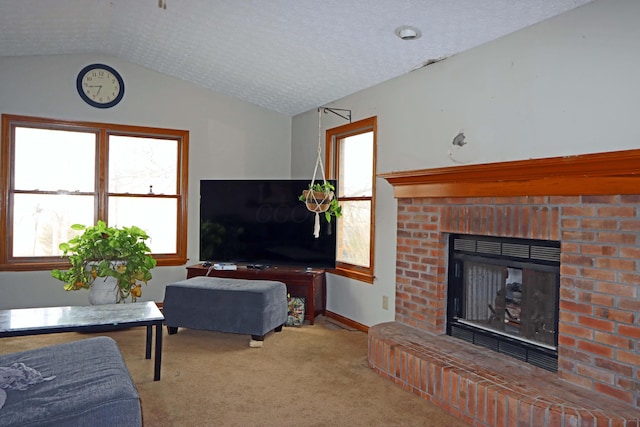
x=539 y=255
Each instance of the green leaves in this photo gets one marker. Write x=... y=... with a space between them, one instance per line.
x=324 y=187
x=103 y=251
x=334 y=210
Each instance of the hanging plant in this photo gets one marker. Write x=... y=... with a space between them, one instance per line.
x=320 y=196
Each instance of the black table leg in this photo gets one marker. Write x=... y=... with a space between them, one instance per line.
x=148 y=352
x=156 y=373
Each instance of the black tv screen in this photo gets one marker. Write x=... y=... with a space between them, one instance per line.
x=262 y=222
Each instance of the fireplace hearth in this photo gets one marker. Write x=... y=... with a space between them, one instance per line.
x=591 y=205
x=503 y=295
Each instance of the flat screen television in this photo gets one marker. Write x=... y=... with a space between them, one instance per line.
x=262 y=222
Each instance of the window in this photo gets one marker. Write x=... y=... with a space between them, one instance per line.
x=58 y=173
x=351 y=158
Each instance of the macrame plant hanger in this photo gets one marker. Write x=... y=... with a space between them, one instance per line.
x=319 y=202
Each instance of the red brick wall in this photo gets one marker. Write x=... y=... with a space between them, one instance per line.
x=599 y=332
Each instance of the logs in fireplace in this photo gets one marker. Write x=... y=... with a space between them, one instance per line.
x=503 y=294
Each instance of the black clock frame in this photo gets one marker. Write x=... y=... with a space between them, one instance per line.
x=90 y=101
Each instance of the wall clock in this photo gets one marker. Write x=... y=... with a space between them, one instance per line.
x=100 y=86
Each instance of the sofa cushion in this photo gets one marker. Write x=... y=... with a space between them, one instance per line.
x=92 y=386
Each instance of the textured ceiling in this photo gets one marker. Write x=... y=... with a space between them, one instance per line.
x=285 y=55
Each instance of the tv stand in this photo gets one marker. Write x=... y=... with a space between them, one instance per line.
x=301 y=282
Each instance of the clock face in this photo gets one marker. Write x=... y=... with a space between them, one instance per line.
x=100 y=86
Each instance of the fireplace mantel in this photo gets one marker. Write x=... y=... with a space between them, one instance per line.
x=616 y=172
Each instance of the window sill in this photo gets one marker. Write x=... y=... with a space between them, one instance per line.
x=353 y=274
x=44 y=264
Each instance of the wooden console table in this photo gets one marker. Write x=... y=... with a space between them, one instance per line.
x=309 y=284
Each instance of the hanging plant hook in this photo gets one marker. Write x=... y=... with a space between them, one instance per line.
x=335 y=111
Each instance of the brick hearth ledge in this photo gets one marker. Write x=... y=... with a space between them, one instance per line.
x=485 y=388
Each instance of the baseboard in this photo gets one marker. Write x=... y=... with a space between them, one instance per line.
x=351 y=323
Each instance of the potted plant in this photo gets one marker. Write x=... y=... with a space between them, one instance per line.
x=107 y=254
x=320 y=198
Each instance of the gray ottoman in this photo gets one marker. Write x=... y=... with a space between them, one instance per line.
x=87 y=384
x=251 y=307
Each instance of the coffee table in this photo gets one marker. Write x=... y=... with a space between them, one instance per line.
x=50 y=320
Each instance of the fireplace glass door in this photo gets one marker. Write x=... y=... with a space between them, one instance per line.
x=519 y=302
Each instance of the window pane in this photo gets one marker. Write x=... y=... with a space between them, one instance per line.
x=354 y=233
x=156 y=216
x=42 y=222
x=138 y=165
x=39 y=149
x=356 y=165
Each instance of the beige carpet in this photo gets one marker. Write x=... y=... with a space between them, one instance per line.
x=303 y=376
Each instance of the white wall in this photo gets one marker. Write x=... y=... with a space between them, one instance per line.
x=228 y=139
x=563 y=87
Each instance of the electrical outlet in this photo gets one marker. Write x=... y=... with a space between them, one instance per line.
x=385 y=302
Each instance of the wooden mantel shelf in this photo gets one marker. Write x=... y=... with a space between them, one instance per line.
x=615 y=172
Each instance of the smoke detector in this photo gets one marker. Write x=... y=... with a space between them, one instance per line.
x=407 y=32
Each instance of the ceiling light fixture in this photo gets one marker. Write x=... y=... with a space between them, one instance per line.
x=407 y=32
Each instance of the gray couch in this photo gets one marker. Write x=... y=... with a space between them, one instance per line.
x=84 y=383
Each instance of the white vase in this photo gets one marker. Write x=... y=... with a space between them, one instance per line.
x=104 y=290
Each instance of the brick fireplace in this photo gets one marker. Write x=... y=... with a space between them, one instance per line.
x=590 y=203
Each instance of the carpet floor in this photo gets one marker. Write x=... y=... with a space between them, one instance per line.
x=312 y=375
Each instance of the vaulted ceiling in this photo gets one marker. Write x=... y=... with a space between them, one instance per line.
x=289 y=56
